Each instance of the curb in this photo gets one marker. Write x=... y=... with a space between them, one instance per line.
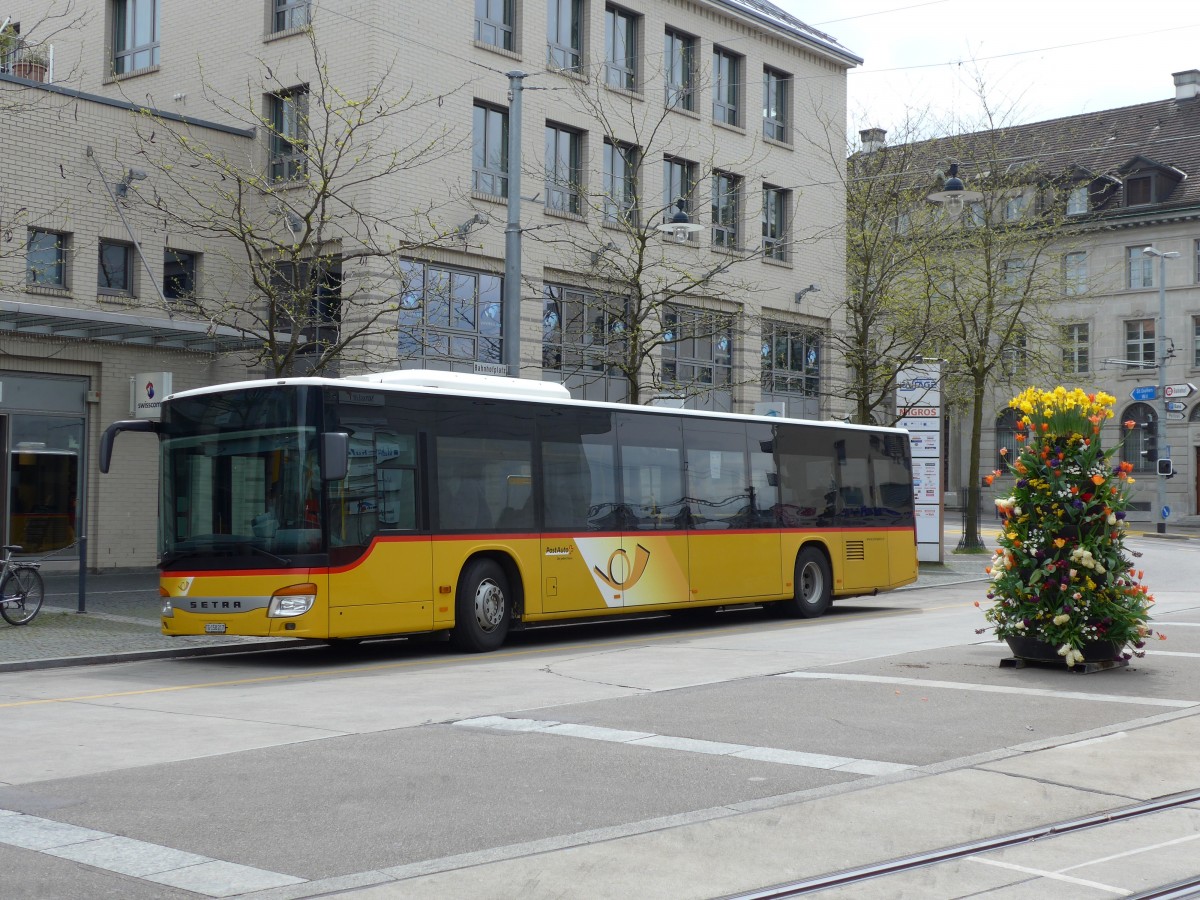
x=63 y=662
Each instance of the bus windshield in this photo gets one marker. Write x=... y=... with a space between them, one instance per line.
x=240 y=479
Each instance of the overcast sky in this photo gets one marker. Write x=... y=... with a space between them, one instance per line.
x=1041 y=59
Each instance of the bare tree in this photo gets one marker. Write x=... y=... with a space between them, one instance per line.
x=308 y=221
x=658 y=311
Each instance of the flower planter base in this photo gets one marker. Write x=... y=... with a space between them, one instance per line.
x=1097 y=656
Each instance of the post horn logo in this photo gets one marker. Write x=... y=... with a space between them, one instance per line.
x=620 y=576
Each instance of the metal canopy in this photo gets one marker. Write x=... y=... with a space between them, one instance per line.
x=121 y=328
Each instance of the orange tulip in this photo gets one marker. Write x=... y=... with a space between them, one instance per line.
x=1097 y=479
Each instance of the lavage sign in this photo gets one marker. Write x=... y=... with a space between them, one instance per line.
x=146 y=392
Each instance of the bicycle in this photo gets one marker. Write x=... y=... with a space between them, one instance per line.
x=21 y=588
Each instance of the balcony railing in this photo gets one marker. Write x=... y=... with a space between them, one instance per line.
x=33 y=62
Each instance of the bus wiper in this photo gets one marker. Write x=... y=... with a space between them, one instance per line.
x=282 y=560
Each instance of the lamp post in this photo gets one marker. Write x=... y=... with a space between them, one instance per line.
x=1161 y=341
x=953 y=197
x=510 y=315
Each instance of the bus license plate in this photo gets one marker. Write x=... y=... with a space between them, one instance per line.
x=214 y=628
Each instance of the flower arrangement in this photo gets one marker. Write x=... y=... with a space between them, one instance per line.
x=1061 y=574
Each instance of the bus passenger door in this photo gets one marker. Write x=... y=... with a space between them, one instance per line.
x=381 y=573
x=580 y=510
x=651 y=566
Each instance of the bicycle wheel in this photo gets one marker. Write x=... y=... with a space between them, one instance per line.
x=21 y=595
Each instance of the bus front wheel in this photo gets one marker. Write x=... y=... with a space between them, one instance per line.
x=482 y=611
x=814 y=585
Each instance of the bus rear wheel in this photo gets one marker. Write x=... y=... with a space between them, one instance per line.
x=482 y=609
x=814 y=586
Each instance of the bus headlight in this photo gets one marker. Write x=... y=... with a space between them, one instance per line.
x=168 y=607
x=294 y=600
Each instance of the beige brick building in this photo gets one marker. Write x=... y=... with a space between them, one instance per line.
x=626 y=108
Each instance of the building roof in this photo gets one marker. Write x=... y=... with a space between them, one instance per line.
x=775 y=17
x=1102 y=149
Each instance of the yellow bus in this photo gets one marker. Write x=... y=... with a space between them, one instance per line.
x=435 y=502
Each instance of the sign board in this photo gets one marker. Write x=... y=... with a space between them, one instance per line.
x=1174 y=405
x=1178 y=390
x=775 y=408
x=146 y=393
x=919 y=407
x=1145 y=392
x=1166 y=512
x=1175 y=417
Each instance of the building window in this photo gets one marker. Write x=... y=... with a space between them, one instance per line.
x=776 y=104
x=1015 y=359
x=1006 y=438
x=562 y=169
x=1076 y=339
x=791 y=360
x=976 y=216
x=620 y=48
x=489 y=156
x=620 y=182
x=1077 y=201
x=774 y=222
x=697 y=347
x=1075 y=274
x=1137 y=439
x=581 y=331
x=1139 y=342
x=289 y=14
x=494 y=23
x=679 y=61
x=1139 y=191
x=449 y=314
x=46 y=259
x=115 y=273
x=288 y=114
x=135 y=35
x=1198 y=262
x=564 y=33
x=725 y=211
x=679 y=183
x=1014 y=208
x=179 y=274
x=1140 y=268
x=1013 y=276
x=726 y=86
x=1196 y=343
x=309 y=296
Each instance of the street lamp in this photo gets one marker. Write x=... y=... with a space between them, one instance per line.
x=680 y=227
x=1161 y=525
x=954 y=193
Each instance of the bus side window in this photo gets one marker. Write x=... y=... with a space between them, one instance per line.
x=578 y=471
x=652 y=472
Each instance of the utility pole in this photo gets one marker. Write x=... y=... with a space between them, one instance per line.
x=1161 y=341
x=510 y=321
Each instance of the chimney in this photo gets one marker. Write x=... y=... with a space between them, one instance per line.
x=1187 y=84
x=874 y=138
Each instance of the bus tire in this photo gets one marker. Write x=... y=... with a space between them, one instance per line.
x=482 y=607
x=814 y=586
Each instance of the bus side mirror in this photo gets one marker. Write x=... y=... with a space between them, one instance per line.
x=111 y=432
x=335 y=455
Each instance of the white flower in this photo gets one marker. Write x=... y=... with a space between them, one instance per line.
x=1112 y=518
x=1099 y=569
x=1062 y=619
x=1064 y=649
x=1016 y=510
